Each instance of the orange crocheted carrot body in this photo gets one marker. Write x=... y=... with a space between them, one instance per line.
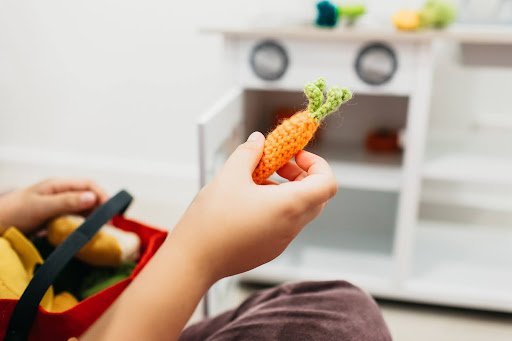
x=290 y=137
x=293 y=134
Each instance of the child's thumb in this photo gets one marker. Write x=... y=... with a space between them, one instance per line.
x=244 y=159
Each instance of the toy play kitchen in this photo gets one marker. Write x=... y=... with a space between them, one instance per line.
x=384 y=230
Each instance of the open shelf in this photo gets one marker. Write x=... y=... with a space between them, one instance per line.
x=467 y=178
x=469 y=156
x=469 y=167
x=357 y=246
x=446 y=194
x=354 y=167
x=459 y=262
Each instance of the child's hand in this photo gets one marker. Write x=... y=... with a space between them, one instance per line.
x=234 y=225
x=30 y=207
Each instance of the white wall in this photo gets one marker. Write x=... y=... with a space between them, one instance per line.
x=105 y=87
x=118 y=78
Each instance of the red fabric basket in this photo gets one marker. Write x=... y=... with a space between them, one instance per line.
x=73 y=322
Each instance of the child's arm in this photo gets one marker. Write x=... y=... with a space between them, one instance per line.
x=232 y=226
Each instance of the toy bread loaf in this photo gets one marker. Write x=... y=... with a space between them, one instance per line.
x=109 y=247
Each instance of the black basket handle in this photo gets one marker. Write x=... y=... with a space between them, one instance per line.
x=26 y=309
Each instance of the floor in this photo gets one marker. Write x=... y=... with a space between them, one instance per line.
x=420 y=322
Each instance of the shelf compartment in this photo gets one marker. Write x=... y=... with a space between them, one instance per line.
x=480 y=157
x=468 y=167
x=471 y=196
x=352 y=239
x=463 y=264
x=355 y=168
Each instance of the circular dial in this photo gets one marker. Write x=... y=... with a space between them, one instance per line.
x=376 y=64
x=269 y=60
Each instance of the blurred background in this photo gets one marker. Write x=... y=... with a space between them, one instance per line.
x=117 y=86
x=114 y=91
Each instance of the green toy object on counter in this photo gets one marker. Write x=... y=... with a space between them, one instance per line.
x=437 y=13
x=328 y=14
x=351 y=12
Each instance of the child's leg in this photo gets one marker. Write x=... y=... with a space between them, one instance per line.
x=334 y=310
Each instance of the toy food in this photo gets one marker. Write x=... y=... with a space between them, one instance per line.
x=102 y=278
x=18 y=261
x=437 y=13
x=406 y=20
x=382 y=141
x=109 y=247
x=293 y=134
x=351 y=12
x=327 y=14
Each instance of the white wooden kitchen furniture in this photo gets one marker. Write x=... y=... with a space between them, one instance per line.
x=373 y=233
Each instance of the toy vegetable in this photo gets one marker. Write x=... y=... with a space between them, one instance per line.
x=327 y=14
x=293 y=134
x=437 y=13
x=382 y=140
x=351 y=12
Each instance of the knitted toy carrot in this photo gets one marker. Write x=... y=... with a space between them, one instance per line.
x=293 y=134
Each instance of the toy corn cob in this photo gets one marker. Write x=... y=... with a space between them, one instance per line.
x=293 y=134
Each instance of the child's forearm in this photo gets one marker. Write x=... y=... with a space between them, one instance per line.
x=158 y=304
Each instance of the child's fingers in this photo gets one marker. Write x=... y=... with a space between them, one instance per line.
x=55 y=186
x=315 y=189
x=312 y=163
x=67 y=202
x=306 y=163
x=319 y=185
x=292 y=172
x=244 y=159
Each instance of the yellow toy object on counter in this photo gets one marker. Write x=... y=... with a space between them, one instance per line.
x=109 y=247
x=18 y=261
x=406 y=20
x=436 y=14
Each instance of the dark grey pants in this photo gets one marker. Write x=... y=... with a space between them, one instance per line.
x=334 y=310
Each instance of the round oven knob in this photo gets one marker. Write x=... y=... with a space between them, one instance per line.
x=376 y=64
x=269 y=60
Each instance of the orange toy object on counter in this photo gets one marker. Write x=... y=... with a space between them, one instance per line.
x=382 y=141
x=293 y=134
